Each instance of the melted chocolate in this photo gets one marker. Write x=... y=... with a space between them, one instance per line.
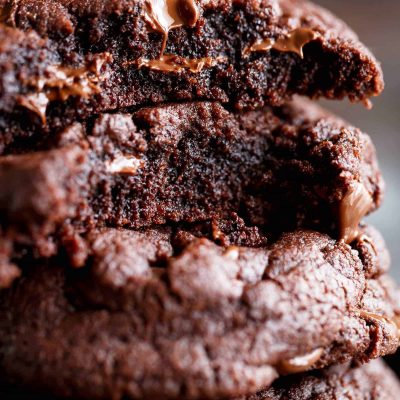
x=372 y=317
x=353 y=207
x=301 y=363
x=59 y=83
x=292 y=42
x=173 y=63
x=127 y=165
x=164 y=15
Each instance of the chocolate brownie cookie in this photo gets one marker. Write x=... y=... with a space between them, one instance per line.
x=279 y=168
x=65 y=59
x=374 y=381
x=163 y=314
x=371 y=381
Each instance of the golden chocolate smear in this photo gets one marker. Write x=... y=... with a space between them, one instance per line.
x=381 y=319
x=293 y=42
x=260 y=45
x=301 y=363
x=59 y=83
x=354 y=206
x=127 y=165
x=173 y=63
x=164 y=15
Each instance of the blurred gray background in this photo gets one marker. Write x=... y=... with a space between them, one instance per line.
x=377 y=22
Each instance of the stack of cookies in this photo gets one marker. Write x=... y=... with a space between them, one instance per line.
x=176 y=222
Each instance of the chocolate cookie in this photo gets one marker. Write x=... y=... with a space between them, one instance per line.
x=279 y=168
x=163 y=314
x=65 y=59
x=371 y=381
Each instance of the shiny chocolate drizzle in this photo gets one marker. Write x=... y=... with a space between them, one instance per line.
x=164 y=15
x=381 y=319
x=173 y=63
x=293 y=42
x=301 y=363
x=60 y=83
x=356 y=203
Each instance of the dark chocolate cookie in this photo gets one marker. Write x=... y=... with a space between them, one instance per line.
x=371 y=381
x=163 y=314
x=65 y=59
x=279 y=169
x=374 y=381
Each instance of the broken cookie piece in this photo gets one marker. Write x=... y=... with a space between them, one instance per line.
x=119 y=54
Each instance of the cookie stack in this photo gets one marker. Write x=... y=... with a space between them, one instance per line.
x=176 y=223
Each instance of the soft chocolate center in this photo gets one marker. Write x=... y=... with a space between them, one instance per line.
x=354 y=206
x=292 y=42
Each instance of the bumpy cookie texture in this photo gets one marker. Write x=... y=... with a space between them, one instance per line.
x=371 y=381
x=164 y=314
x=104 y=55
x=279 y=169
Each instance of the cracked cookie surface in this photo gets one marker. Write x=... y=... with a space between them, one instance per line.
x=165 y=313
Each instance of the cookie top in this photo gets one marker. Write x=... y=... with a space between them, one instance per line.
x=277 y=168
x=64 y=59
x=167 y=314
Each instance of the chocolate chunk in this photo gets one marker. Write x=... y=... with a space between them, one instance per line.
x=352 y=209
x=291 y=42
